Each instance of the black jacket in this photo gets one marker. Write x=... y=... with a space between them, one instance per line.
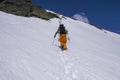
x=61 y=30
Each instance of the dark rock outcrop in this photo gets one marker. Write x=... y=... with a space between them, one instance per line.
x=25 y=8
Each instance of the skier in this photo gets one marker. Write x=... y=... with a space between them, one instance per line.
x=62 y=36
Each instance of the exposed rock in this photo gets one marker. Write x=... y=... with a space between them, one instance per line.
x=25 y=8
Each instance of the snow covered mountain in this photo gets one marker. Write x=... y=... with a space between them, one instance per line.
x=27 y=51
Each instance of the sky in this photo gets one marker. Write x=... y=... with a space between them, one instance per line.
x=103 y=13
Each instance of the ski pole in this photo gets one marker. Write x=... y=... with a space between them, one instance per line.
x=53 y=41
x=69 y=40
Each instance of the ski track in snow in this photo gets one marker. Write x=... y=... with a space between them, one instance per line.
x=70 y=73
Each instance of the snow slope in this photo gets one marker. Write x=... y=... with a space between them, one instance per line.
x=27 y=51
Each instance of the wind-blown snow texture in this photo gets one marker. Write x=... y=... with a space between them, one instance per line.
x=27 y=52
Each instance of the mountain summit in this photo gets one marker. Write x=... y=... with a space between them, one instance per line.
x=25 y=8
